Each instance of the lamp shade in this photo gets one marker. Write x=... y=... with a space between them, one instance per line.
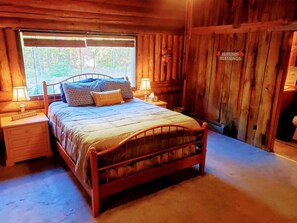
x=20 y=94
x=145 y=84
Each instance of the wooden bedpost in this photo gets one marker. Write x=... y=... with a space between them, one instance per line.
x=45 y=98
x=202 y=164
x=95 y=183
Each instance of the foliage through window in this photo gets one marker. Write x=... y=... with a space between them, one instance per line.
x=52 y=58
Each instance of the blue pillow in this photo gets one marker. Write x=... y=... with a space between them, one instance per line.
x=78 y=94
x=114 y=84
x=63 y=97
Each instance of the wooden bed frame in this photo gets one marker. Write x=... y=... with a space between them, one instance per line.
x=98 y=190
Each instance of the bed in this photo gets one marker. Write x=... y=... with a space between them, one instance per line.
x=114 y=147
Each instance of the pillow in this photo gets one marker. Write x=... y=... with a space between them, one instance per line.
x=78 y=94
x=107 y=97
x=113 y=84
x=63 y=97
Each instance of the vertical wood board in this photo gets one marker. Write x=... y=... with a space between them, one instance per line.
x=235 y=94
x=157 y=72
x=268 y=88
x=5 y=76
x=260 y=64
x=247 y=87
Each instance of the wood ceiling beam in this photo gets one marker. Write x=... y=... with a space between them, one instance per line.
x=81 y=26
x=279 y=25
x=144 y=3
x=92 y=18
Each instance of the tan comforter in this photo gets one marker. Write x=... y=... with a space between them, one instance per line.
x=80 y=128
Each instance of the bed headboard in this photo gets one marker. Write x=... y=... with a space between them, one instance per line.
x=54 y=87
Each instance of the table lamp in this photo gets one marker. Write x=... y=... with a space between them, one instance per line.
x=145 y=86
x=20 y=94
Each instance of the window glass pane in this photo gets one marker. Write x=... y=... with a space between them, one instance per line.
x=53 y=64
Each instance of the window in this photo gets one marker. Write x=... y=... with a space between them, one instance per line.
x=54 y=57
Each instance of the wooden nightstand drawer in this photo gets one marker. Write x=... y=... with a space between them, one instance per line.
x=35 y=140
x=25 y=132
x=26 y=138
x=28 y=152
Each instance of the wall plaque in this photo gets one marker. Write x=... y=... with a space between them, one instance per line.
x=230 y=56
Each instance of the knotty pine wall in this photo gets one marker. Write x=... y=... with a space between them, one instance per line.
x=243 y=95
x=159 y=57
x=159 y=38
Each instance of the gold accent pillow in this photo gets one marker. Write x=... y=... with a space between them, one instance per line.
x=107 y=97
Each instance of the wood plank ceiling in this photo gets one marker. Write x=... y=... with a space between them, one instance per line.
x=131 y=16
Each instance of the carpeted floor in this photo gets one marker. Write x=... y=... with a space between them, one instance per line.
x=242 y=184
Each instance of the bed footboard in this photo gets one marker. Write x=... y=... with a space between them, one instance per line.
x=116 y=177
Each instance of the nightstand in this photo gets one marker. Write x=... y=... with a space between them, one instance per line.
x=26 y=138
x=162 y=104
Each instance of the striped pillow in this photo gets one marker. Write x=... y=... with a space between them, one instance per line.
x=107 y=97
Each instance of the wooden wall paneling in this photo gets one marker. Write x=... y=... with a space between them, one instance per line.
x=145 y=58
x=163 y=62
x=236 y=86
x=17 y=76
x=191 y=79
x=139 y=59
x=260 y=64
x=187 y=39
x=180 y=57
x=268 y=89
x=151 y=57
x=293 y=54
x=158 y=50
x=239 y=12
x=169 y=61
x=19 y=43
x=5 y=96
x=196 y=79
x=201 y=62
x=227 y=12
x=175 y=57
x=210 y=59
x=249 y=70
x=226 y=81
x=5 y=76
x=150 y=64
x=210 y=109
x=280 y=81
x=210 y=12
x=279 y=10
x=215 y=93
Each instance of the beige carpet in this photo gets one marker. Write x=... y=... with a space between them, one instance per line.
x=242 y=184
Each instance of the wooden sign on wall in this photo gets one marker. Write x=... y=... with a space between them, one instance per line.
x=230 y=56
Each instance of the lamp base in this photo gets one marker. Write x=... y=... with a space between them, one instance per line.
x=145 y=95
x=22 y=107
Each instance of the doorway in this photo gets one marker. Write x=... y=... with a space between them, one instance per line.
x=285 y=142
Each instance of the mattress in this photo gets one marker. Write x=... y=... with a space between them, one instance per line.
x=80 y=128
